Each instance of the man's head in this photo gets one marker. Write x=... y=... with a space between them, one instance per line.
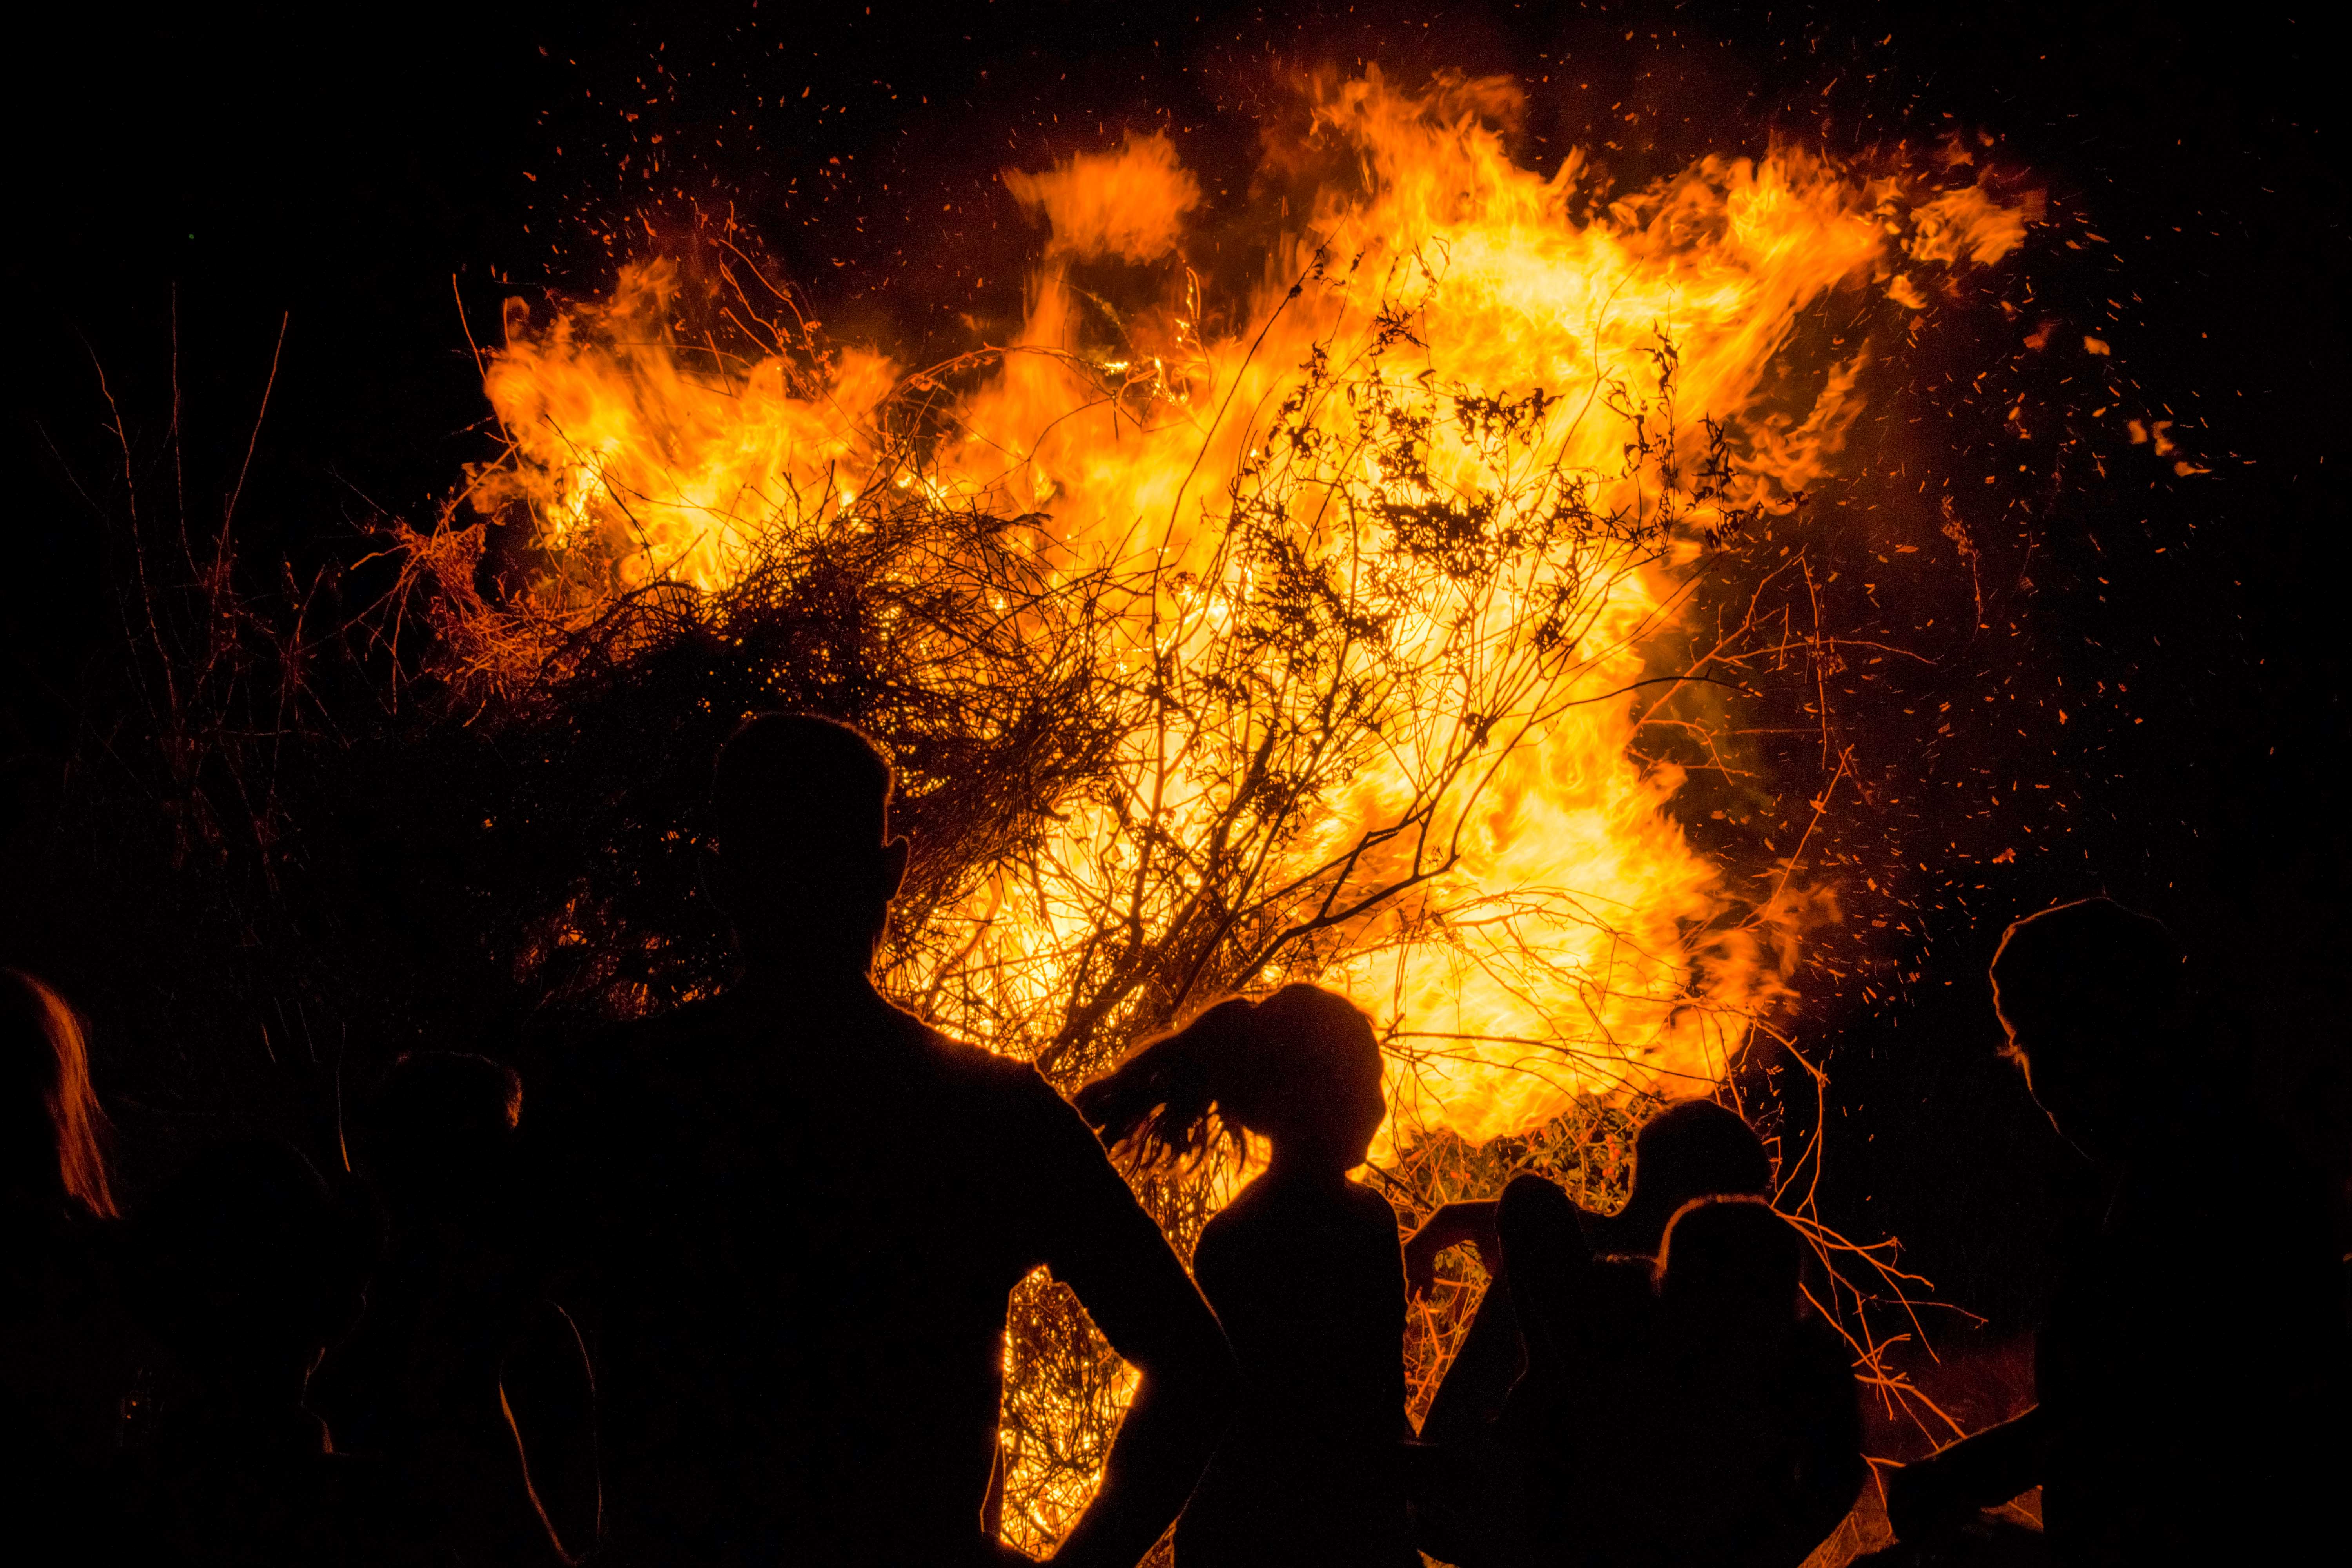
x=804 y=861
x=2090 y=998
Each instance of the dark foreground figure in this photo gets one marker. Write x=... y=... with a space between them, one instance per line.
x=1304 y=1271
x=1691 y=1149
x=462 y=1377
x=2190 y=1370
x=1740 y=1440
x=250 y=1267
x=792 y=1216
x=1626 y=1411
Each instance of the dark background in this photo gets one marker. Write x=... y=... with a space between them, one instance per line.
x=376 y=186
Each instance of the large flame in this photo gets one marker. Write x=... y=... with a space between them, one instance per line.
x=1573 y=939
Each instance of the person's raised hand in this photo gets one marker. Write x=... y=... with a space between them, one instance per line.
x=1420 y=1264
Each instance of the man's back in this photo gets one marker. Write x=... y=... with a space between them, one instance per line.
x=795 y=1228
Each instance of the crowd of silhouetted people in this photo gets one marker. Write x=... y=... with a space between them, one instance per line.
x=730 y=1287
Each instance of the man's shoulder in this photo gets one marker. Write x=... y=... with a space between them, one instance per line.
x=962 y=1062
x=997 y=1085
x=1372 y=1209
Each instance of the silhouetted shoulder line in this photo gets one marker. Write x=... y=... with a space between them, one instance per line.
x=1372 y=1203
x=983 y=1070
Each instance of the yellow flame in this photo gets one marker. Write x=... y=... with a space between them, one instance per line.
x=1577 y=942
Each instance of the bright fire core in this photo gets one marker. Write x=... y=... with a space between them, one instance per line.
x=1443 y=478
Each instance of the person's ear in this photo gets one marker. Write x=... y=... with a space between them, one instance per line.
x=895 y=855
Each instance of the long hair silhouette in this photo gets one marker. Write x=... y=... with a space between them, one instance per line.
x=1297 y=1064
x=1302 y=1268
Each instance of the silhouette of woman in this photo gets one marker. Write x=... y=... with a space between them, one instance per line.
x=71 y=1362
x=1302 y=1266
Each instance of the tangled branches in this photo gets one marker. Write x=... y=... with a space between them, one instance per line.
x=1364 y=714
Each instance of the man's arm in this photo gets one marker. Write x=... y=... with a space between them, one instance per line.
x=1981 y=1470
x=1130 y=1283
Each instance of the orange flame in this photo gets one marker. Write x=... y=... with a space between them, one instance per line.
x=1568 y=938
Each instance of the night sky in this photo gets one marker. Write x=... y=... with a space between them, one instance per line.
x=377 y=188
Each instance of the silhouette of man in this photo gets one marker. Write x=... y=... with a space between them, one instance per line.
x=2192 y=1348
x=794 y=1215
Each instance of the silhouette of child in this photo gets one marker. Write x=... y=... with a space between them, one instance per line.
x=472 y=1383
x=252 y=1267
x=1583 y=1378
x=1302 y=1267
x=1692 y=1410
x=73 y=1366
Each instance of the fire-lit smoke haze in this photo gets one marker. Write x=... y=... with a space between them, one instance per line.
x=1474 y=430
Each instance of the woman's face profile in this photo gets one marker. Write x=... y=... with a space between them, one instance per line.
x=1344 y=1123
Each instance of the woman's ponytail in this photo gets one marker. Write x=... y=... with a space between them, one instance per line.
x=1160 y=1106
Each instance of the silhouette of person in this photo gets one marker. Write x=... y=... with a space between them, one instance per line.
x=252 y=1267
x=1692 y=1410
x=1302 y=1267
x=74 y=1367
x=791 y=1216
x=475 y=1386
x=2170 y=1427
x=1564 y=1342
x=1691 y=1149
x=1731 y=1433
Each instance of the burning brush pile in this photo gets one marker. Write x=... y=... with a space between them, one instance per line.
x=1315 y=632
x=1339 y=623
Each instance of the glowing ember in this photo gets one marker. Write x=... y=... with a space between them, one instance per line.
x=1378 y=556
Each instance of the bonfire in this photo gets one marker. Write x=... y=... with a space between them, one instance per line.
x=1337 y=626
x=1363 y=590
